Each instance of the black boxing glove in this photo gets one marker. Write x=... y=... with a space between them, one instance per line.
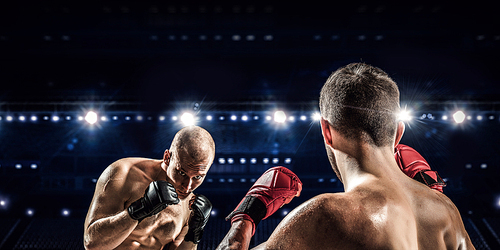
x=201 y=207
x=158 y=195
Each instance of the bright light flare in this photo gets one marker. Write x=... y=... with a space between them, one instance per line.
x=91 y=117
x=459 y=116
x=279 y=116
x=404 y=115
x=316 y=116
x=187 y=119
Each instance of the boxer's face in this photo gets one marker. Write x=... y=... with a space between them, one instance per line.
x=186 y=173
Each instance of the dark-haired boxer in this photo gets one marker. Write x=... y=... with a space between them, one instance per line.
x=380 y=208
x=144 y=203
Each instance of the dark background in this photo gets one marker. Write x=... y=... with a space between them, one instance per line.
x=219 y=58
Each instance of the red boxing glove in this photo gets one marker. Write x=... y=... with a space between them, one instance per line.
x=275 y=188
x=417 y=168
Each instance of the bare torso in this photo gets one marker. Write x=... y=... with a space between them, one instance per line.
x=374 y=215
x=125 y=182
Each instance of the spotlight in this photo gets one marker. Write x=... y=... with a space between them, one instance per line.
x=244 y=118
x=253 y=160
x=30 y=212
x=233 y=118
x=303 y=117
x=279 y=117
x=33 y=166
x=222 y=161
x=265 y=160
x=316 y=116
x=18 y=166
x=65 y=212
x=243 y=160
x=91 y=117
x=209 y=117
x=276 y=160
x=55 y=118
x=288 y=160
x=22 y=118
x=213 y=212
x=284 y=212
x=34 y=118
x=187 y=119
x=404 y=115
x=161 y=118
x=9 y=118
x=479 y=117
x=230 y=160
x=459 y=116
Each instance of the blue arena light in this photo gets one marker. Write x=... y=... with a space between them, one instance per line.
x=288 y=160
x=279 y=116
x=209 y=117
x=222 y=161
x=33 y=166
x=9 y=118
x=244 y=118
x=303 y=117
x=233 y=118
x=316 y=116
x=265 y=160
x=188 y=119
x=243 y=160
x=284 y=212
x=253 y=160
x=214 y=212
x=22 y=118
x=276 y=160
x=18 y=166
x=65 y=212
x=30 y=212
x=230 y=160
x=404 y=115
x=91 y=117
x=55 y=118
x=459 y=116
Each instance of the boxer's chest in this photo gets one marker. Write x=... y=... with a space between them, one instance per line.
x=168 y=223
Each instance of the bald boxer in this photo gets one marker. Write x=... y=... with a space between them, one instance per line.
x=381 y=208
x=142 y=203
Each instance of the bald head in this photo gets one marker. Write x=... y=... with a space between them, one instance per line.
x=194 y=142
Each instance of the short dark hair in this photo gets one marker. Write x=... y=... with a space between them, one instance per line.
x=361 y=102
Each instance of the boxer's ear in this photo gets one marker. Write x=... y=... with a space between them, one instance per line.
x=399 y=132
x=325 y=130
x=166 y=157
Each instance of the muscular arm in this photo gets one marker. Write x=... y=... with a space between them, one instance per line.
x=238 y=237
x=108 y=223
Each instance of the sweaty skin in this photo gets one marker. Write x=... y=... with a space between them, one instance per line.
x=381 y=208
x=108 y=224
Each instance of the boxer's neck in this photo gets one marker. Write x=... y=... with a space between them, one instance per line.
x=365 y=161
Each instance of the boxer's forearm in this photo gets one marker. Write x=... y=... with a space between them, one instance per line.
x=109 y=232
x=238 y=237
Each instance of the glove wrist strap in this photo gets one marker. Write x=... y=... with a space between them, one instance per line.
x=252 y=207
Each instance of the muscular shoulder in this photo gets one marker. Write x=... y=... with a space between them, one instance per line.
x=319 y=223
